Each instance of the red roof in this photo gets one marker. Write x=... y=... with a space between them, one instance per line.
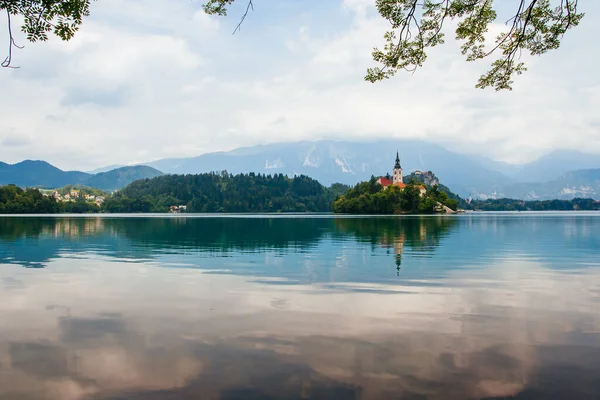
x=384 y=181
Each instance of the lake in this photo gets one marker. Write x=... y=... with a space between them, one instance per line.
x=474 y=306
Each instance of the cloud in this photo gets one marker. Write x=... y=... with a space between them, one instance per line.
x=15 y=140
x=82 y=96
x=473 y=333
x=147 y=80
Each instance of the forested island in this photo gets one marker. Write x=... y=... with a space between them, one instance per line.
x=223 y=192
x=372 y=198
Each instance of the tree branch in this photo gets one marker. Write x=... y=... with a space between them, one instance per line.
x=516 y=46
x=11 y=43
x=249 y=7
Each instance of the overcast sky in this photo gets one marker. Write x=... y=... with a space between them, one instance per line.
x=149 y=79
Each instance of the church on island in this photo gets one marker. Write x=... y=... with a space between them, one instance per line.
x=396 y=178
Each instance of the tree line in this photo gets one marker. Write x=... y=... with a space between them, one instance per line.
x=14 y=200
x=224 y=192
x=577 y=204
x=202 y=193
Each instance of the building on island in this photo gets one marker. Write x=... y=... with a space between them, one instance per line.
x=396 y=178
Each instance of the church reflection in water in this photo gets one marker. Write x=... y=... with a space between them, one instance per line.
x=420 y=236
x=396 y=245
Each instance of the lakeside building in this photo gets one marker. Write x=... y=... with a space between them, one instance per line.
x=177 y=209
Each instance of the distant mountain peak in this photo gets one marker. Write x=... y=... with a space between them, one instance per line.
x=35 y=163
x=37 y=173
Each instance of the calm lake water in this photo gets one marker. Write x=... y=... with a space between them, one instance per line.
x=477 y=306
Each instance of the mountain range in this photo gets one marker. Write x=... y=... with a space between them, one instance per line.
x=583 y=183
x=561 y=174
x=340 y=161
x=41 y=174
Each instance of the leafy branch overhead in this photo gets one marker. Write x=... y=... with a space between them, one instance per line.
x=41 y=17
x=536 y=26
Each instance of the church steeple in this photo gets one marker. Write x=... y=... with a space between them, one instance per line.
x=397 y=170
x=397 y=162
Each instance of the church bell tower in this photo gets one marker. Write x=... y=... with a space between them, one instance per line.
x=397 y=178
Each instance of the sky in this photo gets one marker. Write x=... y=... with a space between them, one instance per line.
x=150 y=79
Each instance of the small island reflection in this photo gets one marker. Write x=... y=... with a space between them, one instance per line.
x=33 y=242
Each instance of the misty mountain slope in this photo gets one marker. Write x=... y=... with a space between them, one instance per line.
x=41 y=174
x=105 y=169
x=121 y=177
x=553 y=165
x=343 y=161
x=581 y=183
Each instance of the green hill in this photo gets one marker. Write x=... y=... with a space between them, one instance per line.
x=429 y=179
x=121 y=177
x=39 y=174
x=14 y=200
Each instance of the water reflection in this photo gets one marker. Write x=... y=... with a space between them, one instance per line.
x=33 y=242
x=161 y=309
x=186 y=242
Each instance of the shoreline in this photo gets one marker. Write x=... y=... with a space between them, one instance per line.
x=292 y=214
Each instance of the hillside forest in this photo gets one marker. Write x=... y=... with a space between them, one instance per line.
x=224 y=192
